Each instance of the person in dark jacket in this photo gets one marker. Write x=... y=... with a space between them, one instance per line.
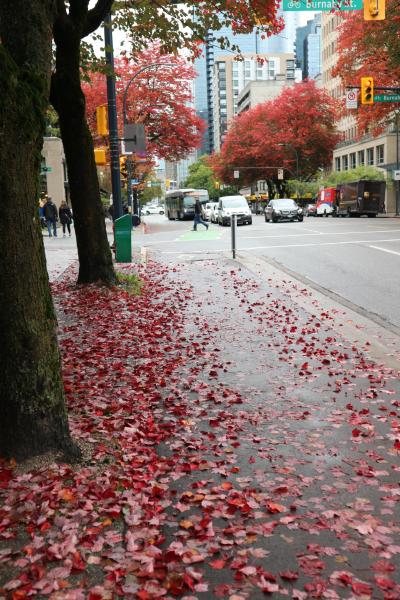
x=51 y=216
x=65 y=217
x=197 y=216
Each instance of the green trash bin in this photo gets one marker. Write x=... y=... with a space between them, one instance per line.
x=123 y=239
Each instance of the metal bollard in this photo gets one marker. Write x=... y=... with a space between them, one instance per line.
x=233 y=235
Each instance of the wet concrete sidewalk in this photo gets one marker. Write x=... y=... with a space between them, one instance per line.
x=287 y=468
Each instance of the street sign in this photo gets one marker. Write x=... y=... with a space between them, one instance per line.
x=387 y=98
x=46 y=170
x=396 y=175
x=323 y=5
x=351 y=99
x=134 y=138
x=236 y=174
x=280 y=173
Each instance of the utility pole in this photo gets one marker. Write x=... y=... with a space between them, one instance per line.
x=112 y=119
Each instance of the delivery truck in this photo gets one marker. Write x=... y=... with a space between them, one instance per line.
x=364 y=197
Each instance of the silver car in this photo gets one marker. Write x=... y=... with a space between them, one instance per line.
x=283 y=209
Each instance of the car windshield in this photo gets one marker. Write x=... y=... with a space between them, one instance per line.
x=235 y=203
x=285 y=204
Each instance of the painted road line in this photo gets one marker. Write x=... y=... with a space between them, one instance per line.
x=385 y=250
x=250 y=237
x=246 y=248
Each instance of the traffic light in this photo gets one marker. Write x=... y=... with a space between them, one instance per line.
x=217 y=185
x=167 y=184
x=374 y=10
x=102 y=119
x=122 y=166
x=367 y=90
x=100 y=156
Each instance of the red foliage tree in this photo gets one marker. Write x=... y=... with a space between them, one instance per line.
x=370 y=48
x=297 y=127
x=158 y=97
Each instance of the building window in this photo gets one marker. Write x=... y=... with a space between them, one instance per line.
x=337 y=163
x=345 y=162
x=370 y=157
x=380 y=155
x=353 y=160
x=361 y=158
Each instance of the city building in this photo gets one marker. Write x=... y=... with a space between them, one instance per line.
x=257 y=92
x=312 y=50
x=251 y=44
x=231 y=76
x=355 y=150
x=53 y=172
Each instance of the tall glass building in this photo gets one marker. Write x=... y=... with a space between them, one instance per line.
x=250 y=43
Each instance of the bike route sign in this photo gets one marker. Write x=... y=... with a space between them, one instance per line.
x=323 y=5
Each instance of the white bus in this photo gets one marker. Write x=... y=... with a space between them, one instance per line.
x=179 y=204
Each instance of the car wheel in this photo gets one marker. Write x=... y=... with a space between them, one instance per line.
x=300 y=219
x=161 y=212
x=250 y=222
x=274 y=219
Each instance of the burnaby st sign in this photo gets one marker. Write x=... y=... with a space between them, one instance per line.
x=322 y=5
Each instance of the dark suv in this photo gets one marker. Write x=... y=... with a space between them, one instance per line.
x=283 y=209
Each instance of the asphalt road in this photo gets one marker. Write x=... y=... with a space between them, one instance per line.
x=355 y=261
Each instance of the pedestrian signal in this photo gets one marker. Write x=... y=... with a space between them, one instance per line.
x=102 y=119
x=374 y=10
x=122 y=166
x=367 y=90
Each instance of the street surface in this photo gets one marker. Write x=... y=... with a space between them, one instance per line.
x=356 y=260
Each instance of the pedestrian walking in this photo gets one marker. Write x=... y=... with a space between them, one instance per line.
x=51 y=216
x=65 y=217
x=197 y=216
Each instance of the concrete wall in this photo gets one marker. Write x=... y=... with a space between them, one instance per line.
x=53 y=182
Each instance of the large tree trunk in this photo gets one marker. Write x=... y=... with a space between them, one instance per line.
x=33 y=416
x=95 y=260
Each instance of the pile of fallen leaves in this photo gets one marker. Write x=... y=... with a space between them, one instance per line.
x=229 y=457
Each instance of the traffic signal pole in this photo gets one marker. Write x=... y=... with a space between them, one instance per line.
x=112 y=120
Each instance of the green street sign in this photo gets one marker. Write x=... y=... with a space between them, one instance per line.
x=387 y=98
x=44 y=170
x=324 y=5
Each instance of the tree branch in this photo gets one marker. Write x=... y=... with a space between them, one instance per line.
x=96 y=16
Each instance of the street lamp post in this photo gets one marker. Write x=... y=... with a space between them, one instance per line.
x=112 y=120
x=125 y=122
x=297 y=165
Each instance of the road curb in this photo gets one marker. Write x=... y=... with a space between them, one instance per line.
x=380 y=341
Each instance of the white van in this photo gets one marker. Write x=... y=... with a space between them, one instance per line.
x=234 y=205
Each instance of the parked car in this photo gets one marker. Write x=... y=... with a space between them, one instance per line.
x=152 y=209
x=234 y=205
x=214 y=212
x=311 y=210
x=207 y=210
x=283 y=209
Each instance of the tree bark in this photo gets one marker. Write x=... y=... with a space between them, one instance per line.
x=95 y=260
x=33 y=417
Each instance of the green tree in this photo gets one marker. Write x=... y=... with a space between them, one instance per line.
x=33 y=417
x=336 y=177
x=201 y=177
